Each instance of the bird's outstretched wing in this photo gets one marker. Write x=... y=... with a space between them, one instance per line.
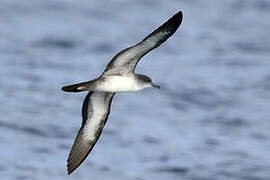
x=127 y=59
x=95 y=112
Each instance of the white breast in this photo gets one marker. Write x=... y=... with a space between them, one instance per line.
x=119 y=84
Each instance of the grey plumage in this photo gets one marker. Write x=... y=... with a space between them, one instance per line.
x=118 y=76
x=83 y=145
x=127 y=59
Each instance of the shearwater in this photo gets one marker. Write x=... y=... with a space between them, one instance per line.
x=118 y=76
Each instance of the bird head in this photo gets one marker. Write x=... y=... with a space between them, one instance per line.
x=146 y=81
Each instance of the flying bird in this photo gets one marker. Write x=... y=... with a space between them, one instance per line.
x=119 y=76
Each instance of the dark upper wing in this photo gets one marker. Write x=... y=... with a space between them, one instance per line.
x=127 y=59
x=95 y=111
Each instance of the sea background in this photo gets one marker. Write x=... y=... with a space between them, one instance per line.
x=209 y=121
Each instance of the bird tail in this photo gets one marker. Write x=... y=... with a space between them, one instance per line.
x=84 y=86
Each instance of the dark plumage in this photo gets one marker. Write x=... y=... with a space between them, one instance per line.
x=118 y=76
x=83 y=146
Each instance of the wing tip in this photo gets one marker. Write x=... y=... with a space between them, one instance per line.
x=69 y=166
x=176 y=20
x=180 y=14
x=70 y=169
x=72 y=165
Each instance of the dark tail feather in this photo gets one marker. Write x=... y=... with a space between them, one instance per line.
x=84 y=86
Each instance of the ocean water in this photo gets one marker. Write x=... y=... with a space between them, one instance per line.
x=210 y=120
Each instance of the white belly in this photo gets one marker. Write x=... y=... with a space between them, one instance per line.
x=119 y=84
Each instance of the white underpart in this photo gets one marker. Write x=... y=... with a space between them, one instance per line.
x=116 y=83
x=94 y=118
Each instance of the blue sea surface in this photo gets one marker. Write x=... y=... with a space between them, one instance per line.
x=210 y=120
